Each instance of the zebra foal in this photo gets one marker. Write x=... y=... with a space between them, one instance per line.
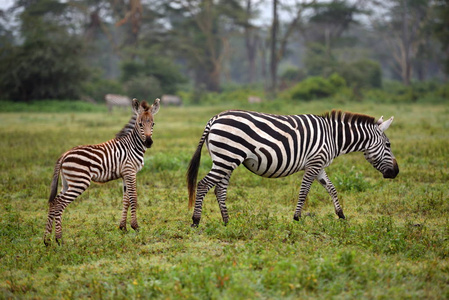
x=121 y=157
x=277 y=146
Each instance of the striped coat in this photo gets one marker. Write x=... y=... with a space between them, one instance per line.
x=277 y=146
x=121 y=157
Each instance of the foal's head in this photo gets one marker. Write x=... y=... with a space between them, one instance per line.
x=145 y=119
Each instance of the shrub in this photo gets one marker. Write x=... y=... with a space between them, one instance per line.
x=361 y=74
x=162 y=69
x=97 y=88
x=316 y=87
x=144 y=87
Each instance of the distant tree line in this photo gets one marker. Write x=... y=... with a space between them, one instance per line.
x=53 y=49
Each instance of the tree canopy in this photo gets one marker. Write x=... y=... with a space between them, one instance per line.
x=54 y=49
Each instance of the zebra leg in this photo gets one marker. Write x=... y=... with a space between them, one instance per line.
x=220 y=192
x=327 y=184
x=50 y=219
x=212 y=178
x=60 y=203
x=307 y=180
x=125 y=208
x=51 y=211
x=130 y=182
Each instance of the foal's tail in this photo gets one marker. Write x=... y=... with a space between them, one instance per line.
x=54 y=183
x=194 y=165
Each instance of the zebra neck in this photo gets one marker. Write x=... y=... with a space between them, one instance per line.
x=350 y=136
x=133 y=139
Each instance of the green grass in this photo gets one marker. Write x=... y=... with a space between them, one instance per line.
x=394 y=243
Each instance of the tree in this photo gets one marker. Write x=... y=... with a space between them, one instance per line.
x=49 y=63
x=252 y=40
x=278 y=52
x=328 y=22
x=201 y=32
x=440 y=17
x=402 y=30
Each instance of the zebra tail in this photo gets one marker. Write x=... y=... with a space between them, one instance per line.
x=192 y=173
x=54 y=183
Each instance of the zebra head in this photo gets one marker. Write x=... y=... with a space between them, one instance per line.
x=145 y=120
x=379 y=152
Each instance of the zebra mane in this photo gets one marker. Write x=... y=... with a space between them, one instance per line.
x=347 y=117
x=128 y=127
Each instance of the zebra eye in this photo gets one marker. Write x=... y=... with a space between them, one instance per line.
x=154 y=124
x=388 y=144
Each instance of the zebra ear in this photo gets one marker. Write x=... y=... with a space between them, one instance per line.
x=380 y=121
x=135 y=105
x=155 y=107
x=384 y=126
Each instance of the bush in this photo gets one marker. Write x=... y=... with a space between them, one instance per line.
x=144 y=87
x=42 y=68
x=162 y=69
x=361 y=74
x=316 y=87
x=98 y=87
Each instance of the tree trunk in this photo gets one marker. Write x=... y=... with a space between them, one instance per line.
x=274 y=58
x=406 y=68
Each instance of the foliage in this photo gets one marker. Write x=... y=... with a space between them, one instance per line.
x=160 y=73
x=393 y=244
x=395 y=92
x=237 y=96
x=440 y=26
x=361 y=74
x=48 y=64
x=97 y=87
x=42 y=68
x=316 y=87
x=144 y=87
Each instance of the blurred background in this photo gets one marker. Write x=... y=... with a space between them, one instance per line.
x=205 y=51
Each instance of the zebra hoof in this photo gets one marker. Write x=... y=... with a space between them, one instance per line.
x=196 y=221
x=59 y=241
x=296 y=218
x=341 y=215
x=47 y=242
x=194 y=225
x=123 y=228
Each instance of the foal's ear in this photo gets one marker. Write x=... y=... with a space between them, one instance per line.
x=135 y=105
x=380 y=121
x=384 y=125
x=155 y=107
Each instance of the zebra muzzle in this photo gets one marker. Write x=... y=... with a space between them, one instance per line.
x=392 y=173
x=148 y=142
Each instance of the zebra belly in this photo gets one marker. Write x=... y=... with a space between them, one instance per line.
x=263 y=167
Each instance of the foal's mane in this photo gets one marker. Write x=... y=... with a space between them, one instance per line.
x=346 y=117
x=128 y=127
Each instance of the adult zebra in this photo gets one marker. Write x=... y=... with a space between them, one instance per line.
x=276 y=146
x=121 y=157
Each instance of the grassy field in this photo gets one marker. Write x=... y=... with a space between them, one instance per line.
x=393 y=244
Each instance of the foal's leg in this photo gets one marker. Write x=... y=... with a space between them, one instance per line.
x=49 y=226
x=125 y=207
x=60 y=203
x=57 y=206
x=130 y=182
x=327 y=184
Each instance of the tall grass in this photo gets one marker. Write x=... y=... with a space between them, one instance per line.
x=394 y=243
